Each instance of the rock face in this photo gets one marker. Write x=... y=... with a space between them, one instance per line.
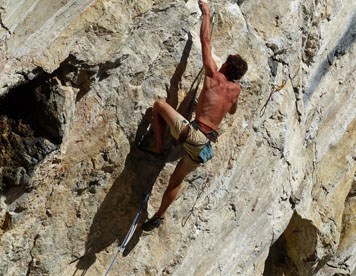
x=78 y=79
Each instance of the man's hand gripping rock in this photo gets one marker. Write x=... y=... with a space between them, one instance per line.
x=203 y=5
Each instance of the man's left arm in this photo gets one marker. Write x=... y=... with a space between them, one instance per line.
x=233 y=108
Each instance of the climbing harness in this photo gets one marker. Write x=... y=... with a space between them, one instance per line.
x=206 y=153
x=210 y=133
x=274 y=90
x=184 y=134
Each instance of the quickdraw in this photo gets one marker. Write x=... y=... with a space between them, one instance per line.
x=274 y=90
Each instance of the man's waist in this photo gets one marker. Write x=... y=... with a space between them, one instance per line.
x=208 y=131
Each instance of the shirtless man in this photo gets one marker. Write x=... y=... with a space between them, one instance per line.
x=219 y=96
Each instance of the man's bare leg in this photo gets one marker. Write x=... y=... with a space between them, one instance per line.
x=163 y=115
x=169 y=195
x=171 y=192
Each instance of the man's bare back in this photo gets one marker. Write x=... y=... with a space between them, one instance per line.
x=218 y=97
x=219 y=94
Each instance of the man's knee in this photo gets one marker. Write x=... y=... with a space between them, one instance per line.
x=159 y=105
x=177 y=177
x=171 y=194
x=175 y=181
x=167 y=112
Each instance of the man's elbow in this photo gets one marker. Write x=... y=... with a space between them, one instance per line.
x=233 y=110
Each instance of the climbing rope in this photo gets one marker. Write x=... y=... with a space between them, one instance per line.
x=186 y=218
x=131 y=230
x=134 y=223
x=295 y=74
x=276 y=89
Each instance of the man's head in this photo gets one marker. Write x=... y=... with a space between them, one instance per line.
x=234 y=67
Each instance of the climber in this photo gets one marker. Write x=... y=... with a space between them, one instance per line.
x=219 y=96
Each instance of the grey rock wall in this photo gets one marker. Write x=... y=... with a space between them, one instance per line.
x=77 y=83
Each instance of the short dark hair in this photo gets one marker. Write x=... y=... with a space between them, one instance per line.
x=236 y=67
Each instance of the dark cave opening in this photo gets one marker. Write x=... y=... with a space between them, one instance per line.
x=33 y=117
x=278 y=262
x=25 y=106
x=29 y=131
x=294 y=253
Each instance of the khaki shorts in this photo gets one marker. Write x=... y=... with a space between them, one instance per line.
x=196 y=137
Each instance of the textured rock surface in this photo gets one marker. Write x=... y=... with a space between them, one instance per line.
x=77 y=82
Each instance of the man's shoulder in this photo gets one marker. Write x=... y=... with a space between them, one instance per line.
x=235 y=89
x=221 y=76
x=234 y=86
x=216 y=75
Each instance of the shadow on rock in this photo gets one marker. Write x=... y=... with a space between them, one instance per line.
x=120 y=206
x=122 y=203
x=172 y=92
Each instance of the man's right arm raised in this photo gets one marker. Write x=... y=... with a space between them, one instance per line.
x=205 y=37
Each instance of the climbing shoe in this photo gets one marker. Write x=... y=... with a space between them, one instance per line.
x=152 y=223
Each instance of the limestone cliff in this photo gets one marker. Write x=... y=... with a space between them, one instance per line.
x=77 y=82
